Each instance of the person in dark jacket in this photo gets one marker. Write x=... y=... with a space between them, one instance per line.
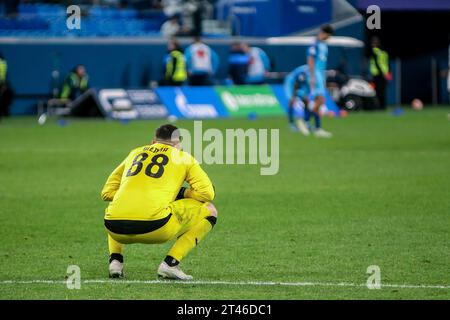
x=238 y=63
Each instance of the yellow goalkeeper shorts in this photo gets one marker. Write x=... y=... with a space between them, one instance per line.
x=182 y=215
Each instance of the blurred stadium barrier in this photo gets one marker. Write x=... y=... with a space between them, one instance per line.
x=183 y=102
x=137 y=62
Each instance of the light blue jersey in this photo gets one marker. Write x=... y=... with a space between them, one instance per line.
x=201 y=59
x=319 y=51
x=301 y=76
x=258 y=66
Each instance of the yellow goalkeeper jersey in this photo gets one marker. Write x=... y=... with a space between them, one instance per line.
x=149 y=178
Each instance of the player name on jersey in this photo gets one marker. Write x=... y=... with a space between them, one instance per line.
x=155 y=149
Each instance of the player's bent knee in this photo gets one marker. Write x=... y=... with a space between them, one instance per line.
x=212 y=209
x=212 y=218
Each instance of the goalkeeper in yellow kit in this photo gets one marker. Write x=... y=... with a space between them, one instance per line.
x=150 y=205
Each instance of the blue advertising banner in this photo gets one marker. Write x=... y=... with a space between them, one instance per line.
x=192 y=102
x=256 y=17
x=297 y=15
x=131 y=104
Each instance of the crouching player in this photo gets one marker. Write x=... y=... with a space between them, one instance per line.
x=296 y=86
x=149 y=205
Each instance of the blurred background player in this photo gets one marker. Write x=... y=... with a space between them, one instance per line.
x=238 y=63
x=201 y=62
x=75 y=84
x=259 y=65
x=379 y=70
x=296 y=86
x=149 y=205
x=175 y=73
x=317 y=64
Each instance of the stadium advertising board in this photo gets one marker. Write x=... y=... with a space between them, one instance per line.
x=192 y=102
x=131 y=104
x=245 y=100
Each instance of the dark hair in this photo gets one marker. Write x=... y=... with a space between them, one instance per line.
x=375 y=41
x=165 y=132
x=75 y=69
x=176 y=44
x=327 y=29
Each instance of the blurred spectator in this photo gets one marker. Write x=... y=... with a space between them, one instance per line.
x=156 y=4
x=238 y=62
x=379 y=70
x=11 y=7
x=75 y=84
x=6 y=93
x=197 y=17
x=175 y=73
x=171 y=27
x=189 y=14
x=202 y=63
x=172 y=7
x=259 y=65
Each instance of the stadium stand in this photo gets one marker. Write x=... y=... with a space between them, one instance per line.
x=48 y=20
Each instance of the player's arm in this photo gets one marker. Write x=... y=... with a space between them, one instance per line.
x=311 y=61
x=201 y=187
x=113 y=183
x=312 y=72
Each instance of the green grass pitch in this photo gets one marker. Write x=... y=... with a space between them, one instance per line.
x=377 y=193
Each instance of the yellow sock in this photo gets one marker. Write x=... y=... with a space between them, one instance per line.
x=186 y=242
x=114 y=246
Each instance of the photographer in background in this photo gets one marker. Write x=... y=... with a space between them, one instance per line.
x=75 y=84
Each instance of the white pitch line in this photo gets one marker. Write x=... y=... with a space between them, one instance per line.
x=230 y=283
